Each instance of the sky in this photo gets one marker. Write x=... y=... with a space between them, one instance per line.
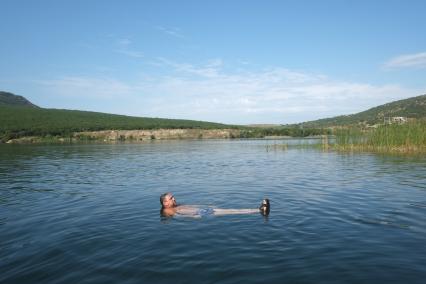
x=237 y=62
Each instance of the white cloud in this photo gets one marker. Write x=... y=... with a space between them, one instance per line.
x=124 y=47
x=207 y=92
x=171 y=31
x=407 y=60
x=276 y=96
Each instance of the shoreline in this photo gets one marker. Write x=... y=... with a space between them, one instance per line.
x=149 y=135
x=118 y=136
x=131 y=135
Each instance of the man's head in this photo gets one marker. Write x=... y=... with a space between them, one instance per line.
x=167 y=200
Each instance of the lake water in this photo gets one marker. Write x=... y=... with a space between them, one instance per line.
x=91 y=214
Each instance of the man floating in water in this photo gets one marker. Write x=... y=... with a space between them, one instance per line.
x=169 y=208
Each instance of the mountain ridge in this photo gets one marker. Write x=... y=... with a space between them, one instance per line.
x=9 y=99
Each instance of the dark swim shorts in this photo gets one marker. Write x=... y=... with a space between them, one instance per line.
x=206 y=212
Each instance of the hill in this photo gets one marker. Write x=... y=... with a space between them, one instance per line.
x=414 y=107
x=18 y=121
x=20 y=118
x=9 y=99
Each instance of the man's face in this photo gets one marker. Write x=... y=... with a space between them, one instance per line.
x=169 y=201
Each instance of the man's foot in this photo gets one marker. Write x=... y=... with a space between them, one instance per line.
x=265 y=207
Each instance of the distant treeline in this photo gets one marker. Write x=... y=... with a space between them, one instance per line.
x=17 y=122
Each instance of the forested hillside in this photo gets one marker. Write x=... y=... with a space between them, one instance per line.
x=414 y=107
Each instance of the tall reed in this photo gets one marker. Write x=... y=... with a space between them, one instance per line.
x=403 y=138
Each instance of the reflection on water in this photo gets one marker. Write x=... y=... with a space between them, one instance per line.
x=90 y=213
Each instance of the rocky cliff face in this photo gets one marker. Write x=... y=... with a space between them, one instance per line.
x=141 y=135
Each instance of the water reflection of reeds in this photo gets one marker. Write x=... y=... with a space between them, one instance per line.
x=322 y=142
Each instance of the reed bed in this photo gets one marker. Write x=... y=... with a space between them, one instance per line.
x=409 y=137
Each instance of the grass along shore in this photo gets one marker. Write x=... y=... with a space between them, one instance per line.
x=404 y=138
x=409 y=138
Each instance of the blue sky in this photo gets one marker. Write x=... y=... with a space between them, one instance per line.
x=225 y=61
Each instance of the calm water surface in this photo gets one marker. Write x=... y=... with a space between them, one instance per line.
x=90 y=214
